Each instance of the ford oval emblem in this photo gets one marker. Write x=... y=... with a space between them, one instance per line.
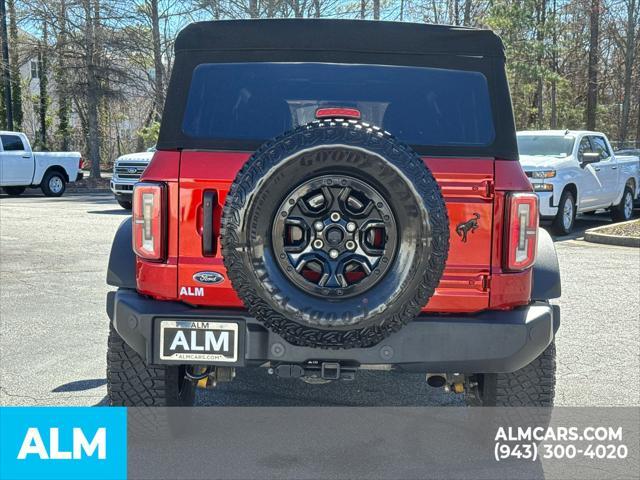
x=208 y=277
x=132 y=170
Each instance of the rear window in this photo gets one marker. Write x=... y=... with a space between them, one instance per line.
x=556 y=146
x=258 y=101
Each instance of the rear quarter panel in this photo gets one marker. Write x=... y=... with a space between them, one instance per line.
x=67 y=160
x=629 y=167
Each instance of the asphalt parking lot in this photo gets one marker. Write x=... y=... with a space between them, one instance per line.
x=53 y=325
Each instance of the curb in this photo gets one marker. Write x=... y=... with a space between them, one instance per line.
x=593 y=235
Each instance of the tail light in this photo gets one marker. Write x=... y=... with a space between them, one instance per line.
x=522 y=231
x=80 y=164
x=149 y=220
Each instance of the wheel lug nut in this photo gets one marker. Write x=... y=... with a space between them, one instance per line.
x=335 y=217
x=351 y=227
x=334 y=253
x=318 y=225
x=351 y=245
x=318 y=244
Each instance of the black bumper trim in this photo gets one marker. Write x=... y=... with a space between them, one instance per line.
x=488 y=342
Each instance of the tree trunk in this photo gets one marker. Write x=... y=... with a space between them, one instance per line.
x=157 y=60
x=316 y=8
x=630 y=48
x=467 y=13
x=537 y=118
x=363 y=9
x=376 y=9
x=592 y=86
x=62 y=87
x=638 y=123
x=43 y=70
x=93 y=90
x=6 y=75
x=253 y=8
x=554 y=68
x=14 y=66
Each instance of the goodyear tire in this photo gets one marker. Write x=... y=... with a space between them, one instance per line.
x=335 y=235
x=531 y=386
x=133 y=383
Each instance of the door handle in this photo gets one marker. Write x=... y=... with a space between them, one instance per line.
x=26 y=156
x=209 y=201
x=614 y=167
x=597 y=169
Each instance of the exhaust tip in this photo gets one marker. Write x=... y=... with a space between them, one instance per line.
x=436 y=380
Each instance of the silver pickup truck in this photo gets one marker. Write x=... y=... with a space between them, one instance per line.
x=126 y=173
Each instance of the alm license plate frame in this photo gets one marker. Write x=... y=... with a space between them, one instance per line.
x=235 y=340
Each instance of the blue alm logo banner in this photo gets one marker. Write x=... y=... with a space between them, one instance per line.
x=63 y=443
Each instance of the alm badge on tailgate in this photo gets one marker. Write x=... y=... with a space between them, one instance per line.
x=202 y=340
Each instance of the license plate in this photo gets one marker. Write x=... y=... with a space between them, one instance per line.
x=202 y=340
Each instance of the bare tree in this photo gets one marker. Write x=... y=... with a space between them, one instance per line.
x=14 y=66
x=467 y=13
x=628 y=46
x=43 y=75
x=592 y=86
x=157 y=58
x=537 y=115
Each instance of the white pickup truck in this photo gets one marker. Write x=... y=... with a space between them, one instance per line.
x=577 y=172
x=20 y=167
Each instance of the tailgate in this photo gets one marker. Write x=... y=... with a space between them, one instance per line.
x=467 y=186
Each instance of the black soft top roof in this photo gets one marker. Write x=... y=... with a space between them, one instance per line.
x=342 y=42
x=338 y=35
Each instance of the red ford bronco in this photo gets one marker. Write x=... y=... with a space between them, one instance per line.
x=329 y=196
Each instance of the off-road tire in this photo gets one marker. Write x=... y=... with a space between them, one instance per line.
x=531 y=386
x=558 y=227
x=332 y=323
x=133 y=383
x=45 y=184
x=14 y=191
x=618 y=212
x=126 y=204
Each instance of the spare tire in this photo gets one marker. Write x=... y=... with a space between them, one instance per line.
x=335 y=234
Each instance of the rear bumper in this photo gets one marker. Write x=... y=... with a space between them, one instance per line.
x=492 y=341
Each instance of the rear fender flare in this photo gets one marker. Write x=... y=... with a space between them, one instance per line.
x=122 y=261
x=546 y=270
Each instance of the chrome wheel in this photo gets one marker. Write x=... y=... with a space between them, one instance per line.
x=567 y=214
x=55 y=184
x=628 y=205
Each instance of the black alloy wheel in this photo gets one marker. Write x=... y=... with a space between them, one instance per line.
x=336 y=236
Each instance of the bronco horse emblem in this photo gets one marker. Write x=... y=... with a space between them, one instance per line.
x=470 y=225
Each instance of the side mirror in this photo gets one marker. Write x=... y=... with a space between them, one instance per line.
x=589 y=157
